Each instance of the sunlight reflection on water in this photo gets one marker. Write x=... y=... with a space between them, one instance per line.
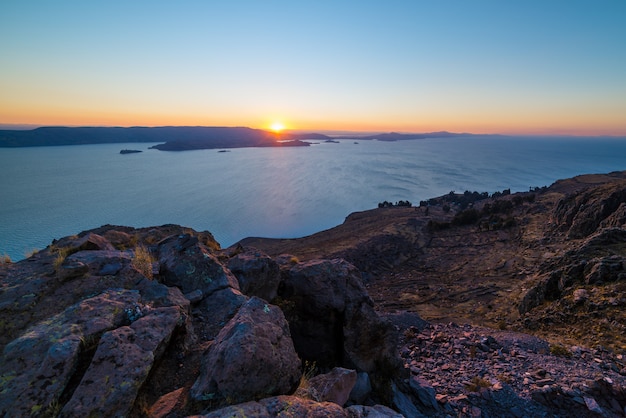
x=50 y=192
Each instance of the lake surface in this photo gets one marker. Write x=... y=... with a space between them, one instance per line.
x=51 y=192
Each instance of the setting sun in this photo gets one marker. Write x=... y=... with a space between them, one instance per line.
x=277 y=127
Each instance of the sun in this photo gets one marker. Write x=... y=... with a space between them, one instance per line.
x=277 y=127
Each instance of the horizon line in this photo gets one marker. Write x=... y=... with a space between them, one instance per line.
x=330 y=132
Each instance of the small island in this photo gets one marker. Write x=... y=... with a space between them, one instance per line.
x=130 y=151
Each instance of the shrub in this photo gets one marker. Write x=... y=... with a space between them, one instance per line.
x=437 y=226
x=6 y=259
x=467 y=217
x=559 y=350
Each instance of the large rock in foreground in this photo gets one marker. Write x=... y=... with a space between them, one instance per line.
x=121 y=365
x=252 y=357
x=332 y=318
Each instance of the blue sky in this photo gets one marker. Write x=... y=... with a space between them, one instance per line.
x=479 y=66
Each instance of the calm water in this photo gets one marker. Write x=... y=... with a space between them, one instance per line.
x=50 y=192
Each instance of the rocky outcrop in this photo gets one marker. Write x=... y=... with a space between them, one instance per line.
x=252 y=357
x=131 y=303
x=121 y=364
x=581 y=214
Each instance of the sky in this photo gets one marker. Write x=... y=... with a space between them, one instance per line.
x=512 y=67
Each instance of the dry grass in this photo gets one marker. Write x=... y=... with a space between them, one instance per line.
x=143 y=260
x=304 y=388
x=477 y=383
x=30 y=253
x=5 y=259
x=62 y=254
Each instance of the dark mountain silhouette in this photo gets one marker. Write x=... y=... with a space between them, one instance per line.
x=173 y=137
x=395 y=136
x=179 y=138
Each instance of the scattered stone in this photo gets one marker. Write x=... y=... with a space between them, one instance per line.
x=592 y=405
x=166 y=404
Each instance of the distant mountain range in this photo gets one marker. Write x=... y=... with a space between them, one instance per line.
x=181 y=138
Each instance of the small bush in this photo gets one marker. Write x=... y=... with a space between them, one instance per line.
x=559 y=350
x=438 y=226
x=467 y=217
x=143 y=260
x=6 y=259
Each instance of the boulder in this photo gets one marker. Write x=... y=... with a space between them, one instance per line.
x=252 y=357
x=424 y=392
x=334 y=386
x=257 y=273
x=546 y=288
x=332 y=318
x=580 y=296
x=87 y=242
x=214 y=311
x=121 y=364
x=100 y=262
x=37 y=366
x=604 y=270
x=404 y=404
x=189 y=265
x=362 y=388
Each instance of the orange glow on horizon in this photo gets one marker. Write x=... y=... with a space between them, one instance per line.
x=476 y=125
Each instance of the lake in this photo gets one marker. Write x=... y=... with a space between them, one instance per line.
x=51 y=192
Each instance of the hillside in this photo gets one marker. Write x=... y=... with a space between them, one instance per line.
x=484 y=272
